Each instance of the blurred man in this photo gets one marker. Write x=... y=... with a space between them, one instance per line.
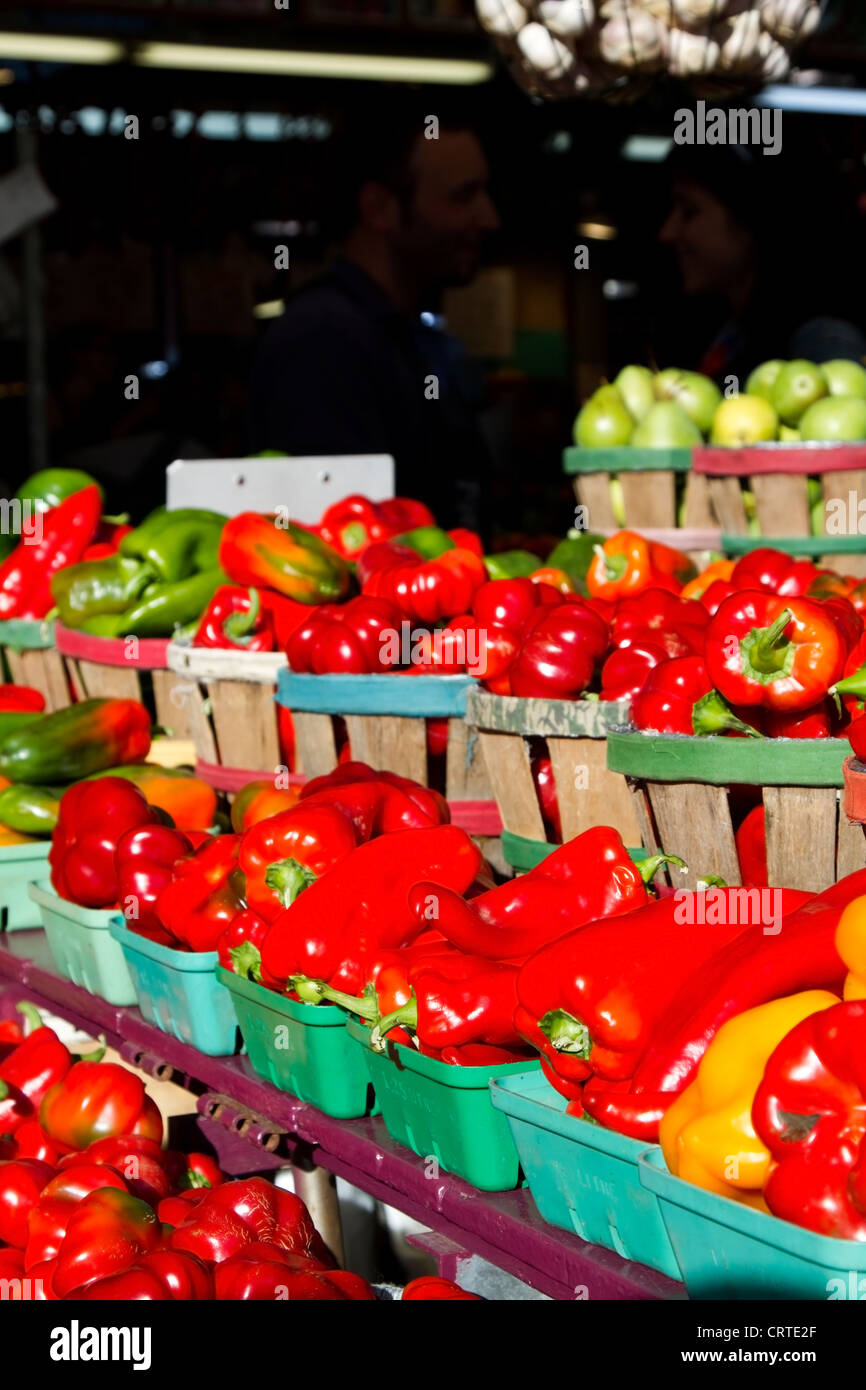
x=351 y=367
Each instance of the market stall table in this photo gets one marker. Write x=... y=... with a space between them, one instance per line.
x=503 y=1228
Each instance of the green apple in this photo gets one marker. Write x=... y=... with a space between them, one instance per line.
x=789 y=436
x=845 y=378
x=617 y=501
x=698 y=396
x=763 y=379
x=604 y=422
x=667 y=426
x=840 y=418
x=743 y=420
x=798 y=385
x=635 y=385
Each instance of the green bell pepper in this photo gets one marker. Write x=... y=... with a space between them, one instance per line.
x=16 y=719
x=427 y=541
x=512 y=564
x=29 y=809
x=574 y=555
x=164 y=607
x=96 y=588
x=176 y=544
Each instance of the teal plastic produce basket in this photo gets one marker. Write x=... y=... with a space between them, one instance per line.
x=727 y=1250
x=443 y=1112
x=82 y=945
x=300 y=1048
x=21 y=865
x=582 y=1177
x=178 y=991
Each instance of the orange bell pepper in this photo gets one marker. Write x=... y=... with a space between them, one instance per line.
x=624 y=565
x=259 y=800
x=557 y=578
x=719 y=569
x=851 y=945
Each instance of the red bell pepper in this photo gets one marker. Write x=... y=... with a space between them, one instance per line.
x=456 y=1001
x=778 y=653
x=751 y=841
x=856 y=733
x=201 y=1171
x=281 y=856
x=266 y=1277
x=810 y=1111
x=376 y=803
x=430 y=1287
x=429 y=591
x=58 y=1200
x=588 y=877
x=508 y=603
x=816 y=722
x=97 y=1100
x=31 y=1141
x=240 y=946
x=144 y=860
x=659 y=611
x=559 y=653
x=593 y=1001
x=852 y=686
x=137 y=1284
x=235 y=618
x=361 y=906
x=37 y=1064
x=21 y=699
x=21 y=1183
x=150 y=1171
x=757 y=967
x=847 y=619
x=716 y=594
x=230 y=1217
x=61 y=539
x=202 y=898
x=356 y=638
x=93 y=817
x=159 y=1275
x=626 y=669
x=106 y=541
x=104 y=1236
x=545 y=786
x=401 y=514
x=677 y=698
x=775 y=572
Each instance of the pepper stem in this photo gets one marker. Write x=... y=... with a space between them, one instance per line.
x=648 y=868
x=767 y=647
x=404 y=1017
x=566 y=1033
x=4 y=1089
x=614 y=565
x=288 y=878
x=713 y=715
x=240 y=625
x=96 y=1056
x=31 y=1014
x=710 y=881
x=317 y=991
x=246 y=961
x=855 y=684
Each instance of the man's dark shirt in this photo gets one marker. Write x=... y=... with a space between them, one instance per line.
x=344 y=372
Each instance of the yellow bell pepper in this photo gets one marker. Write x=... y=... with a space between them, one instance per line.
x=14 y=837
x=707 y=1136
x=851 y=945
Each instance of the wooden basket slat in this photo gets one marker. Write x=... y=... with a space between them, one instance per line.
x=801 y=836
x=649 y=499
x=42 y=669
x=647 y=834
x=850 y=846
x=197 y=720
x=694 y=822
x=782 y=504
x=390 y=743
x=507 y=759
x=728 y=506
x=466 y=775
x=171 y=706
x=106 y=682
x=592 y=490
x=697 y=504
x=245 y=725
x=315 y=743
x=604 y=800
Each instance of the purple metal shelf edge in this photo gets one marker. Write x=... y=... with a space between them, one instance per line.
x=503 y=1228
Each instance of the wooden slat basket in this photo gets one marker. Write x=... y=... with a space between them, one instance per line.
x=231 y=713
x=575 y=732
x=648 y=479
x=682 y=795
x=778 y=477
x=385 y=718
x=29 y=657
x=124 y=668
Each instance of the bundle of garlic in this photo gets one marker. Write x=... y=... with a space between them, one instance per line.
x=613 y=48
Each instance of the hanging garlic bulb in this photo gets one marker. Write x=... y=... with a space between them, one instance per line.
x=690 y=53
x=567 y=19
x=632 y=39
x=738 y=39
x=790 y=20
x=546 y=54
x=775 y=59
x=504 y=18
x=697 y=13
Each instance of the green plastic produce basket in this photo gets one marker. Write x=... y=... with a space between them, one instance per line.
x=21 y=865
x=177 y=990
x=582 y=1177
x=83 y=947
x=300 y=1048
x=443 y=1112
x=727 y=1250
